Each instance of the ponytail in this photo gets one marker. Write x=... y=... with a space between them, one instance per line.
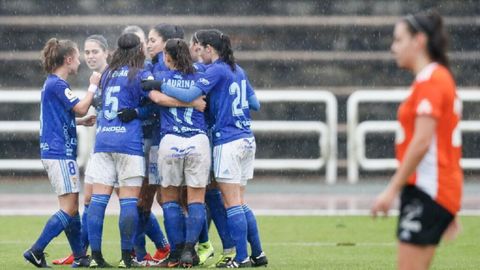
x=219 y=41
x=226 y=52
x=129 y=53
x=54 y=53
x=431 y=23
x=178 y=50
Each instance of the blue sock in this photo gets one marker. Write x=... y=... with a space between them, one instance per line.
x=237 y=225
x=96 y=215
x=74 y=236
x=252 y=232
x=203 y=237
x=174 y=222
x=139 y=243
x=128 y=222
x=154 y=232
x=55 y=225
x=195 y=221
x=215 y=204
x=85 y=228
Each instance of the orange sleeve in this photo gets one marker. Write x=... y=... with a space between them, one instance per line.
x=428 y=99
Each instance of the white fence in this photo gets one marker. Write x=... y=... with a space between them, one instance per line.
x=33 y=127
x=326 y=131
x=356 y=131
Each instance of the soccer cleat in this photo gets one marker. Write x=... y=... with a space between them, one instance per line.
x=147 y=261
x=81 y=262
x=224 y=259
x=36 y=259
x=98 y=261
x=260 y=260
x=173 y=259
x=161 y=254
x=189 y=257
x=169 y=263
x=205 y=251
x=122 y=264
x=64 y=261
x=234 y=264
x=126 y=261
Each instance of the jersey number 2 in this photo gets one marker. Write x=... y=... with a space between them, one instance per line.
x=240 y=102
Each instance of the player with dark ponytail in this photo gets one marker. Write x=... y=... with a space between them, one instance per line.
x=184 y=158
x=230 y=97
x=118 y=154
x=429 y=177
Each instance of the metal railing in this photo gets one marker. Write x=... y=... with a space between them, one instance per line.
x=356 y=132
x=33 y=127
x=327 y=131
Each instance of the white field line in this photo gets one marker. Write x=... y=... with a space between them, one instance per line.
x=258 y=212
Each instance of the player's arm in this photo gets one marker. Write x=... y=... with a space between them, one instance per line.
x=159 y=98
x=253 y=102
x=143 y=112
x=81 y=108
x=425 y=127
x=87 y=121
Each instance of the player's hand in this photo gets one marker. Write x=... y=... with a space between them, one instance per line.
x=149 y=85
x=383 y=202
x=200 y=103
x=126 y=115
x=95 y=78
x=89 y=120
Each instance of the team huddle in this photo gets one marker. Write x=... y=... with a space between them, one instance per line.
x=176 y=128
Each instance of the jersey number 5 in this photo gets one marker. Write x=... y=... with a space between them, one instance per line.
x=110 y=99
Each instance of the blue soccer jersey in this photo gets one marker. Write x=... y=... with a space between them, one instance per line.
x=120 y=92
x=158 y=65
x=152 y=124
x=228 y=92
x=200 y=67
x=58 y=130
x=181 y=121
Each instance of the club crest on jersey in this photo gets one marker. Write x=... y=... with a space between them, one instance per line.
x=204 y=81
x=69 y=94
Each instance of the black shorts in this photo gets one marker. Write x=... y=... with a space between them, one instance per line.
x=422 y=221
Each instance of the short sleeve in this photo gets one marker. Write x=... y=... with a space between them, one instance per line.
x=428 y=99
x=66 y=95
x=148 y=65
x=209 y=79
x=146 y=75
x=250 y=91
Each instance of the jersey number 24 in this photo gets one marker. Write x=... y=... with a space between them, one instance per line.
x=240 y=102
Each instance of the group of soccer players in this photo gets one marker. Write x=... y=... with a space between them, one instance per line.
x=195 y=115
x=188 y=122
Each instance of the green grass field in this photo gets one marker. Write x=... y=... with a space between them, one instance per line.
x=342 y=242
